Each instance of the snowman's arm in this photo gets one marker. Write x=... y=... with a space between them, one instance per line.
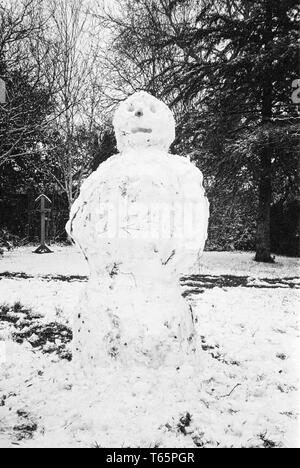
x=90 y=190
x=187 y=250
x=79 y=204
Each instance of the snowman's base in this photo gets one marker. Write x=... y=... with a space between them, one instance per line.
x=152 y=328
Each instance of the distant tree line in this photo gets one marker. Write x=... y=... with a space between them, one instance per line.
x=226 y=68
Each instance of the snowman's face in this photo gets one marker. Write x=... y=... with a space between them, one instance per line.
x=142 y=121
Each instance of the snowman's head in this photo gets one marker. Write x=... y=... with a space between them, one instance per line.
x=142 y=121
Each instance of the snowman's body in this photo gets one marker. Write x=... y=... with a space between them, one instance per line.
x=141 y=221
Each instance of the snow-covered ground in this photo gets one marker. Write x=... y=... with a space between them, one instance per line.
x=245 y=392
x=69 y=261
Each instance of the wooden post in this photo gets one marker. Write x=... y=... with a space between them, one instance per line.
x=2 y=91
x=43 y=248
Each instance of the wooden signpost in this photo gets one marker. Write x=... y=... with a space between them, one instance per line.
x=2 y=91
x=43 y=248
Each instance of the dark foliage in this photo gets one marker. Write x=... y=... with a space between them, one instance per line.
x=227 y=69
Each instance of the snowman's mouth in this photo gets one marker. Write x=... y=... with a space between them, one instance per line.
x=141 y=130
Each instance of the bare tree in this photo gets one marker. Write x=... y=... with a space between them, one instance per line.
x=78 y=91
x=28 y=80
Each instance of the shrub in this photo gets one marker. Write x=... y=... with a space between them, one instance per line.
x=7 y=241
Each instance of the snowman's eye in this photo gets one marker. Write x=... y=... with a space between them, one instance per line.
x=153 y=108
x=130 y=108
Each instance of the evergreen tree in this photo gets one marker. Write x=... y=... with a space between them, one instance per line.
x=230 y=82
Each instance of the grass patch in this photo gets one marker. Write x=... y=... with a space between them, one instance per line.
x=25 y=427
x=49 y=338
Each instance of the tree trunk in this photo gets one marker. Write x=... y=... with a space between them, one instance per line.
x=69 y=238
x=263 y=242
x=298 y=206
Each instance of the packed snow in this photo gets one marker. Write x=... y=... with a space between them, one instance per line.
x=245 y=392
x=141 y=220
x=142 y=121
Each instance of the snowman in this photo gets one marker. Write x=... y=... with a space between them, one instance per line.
x=141 y=222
